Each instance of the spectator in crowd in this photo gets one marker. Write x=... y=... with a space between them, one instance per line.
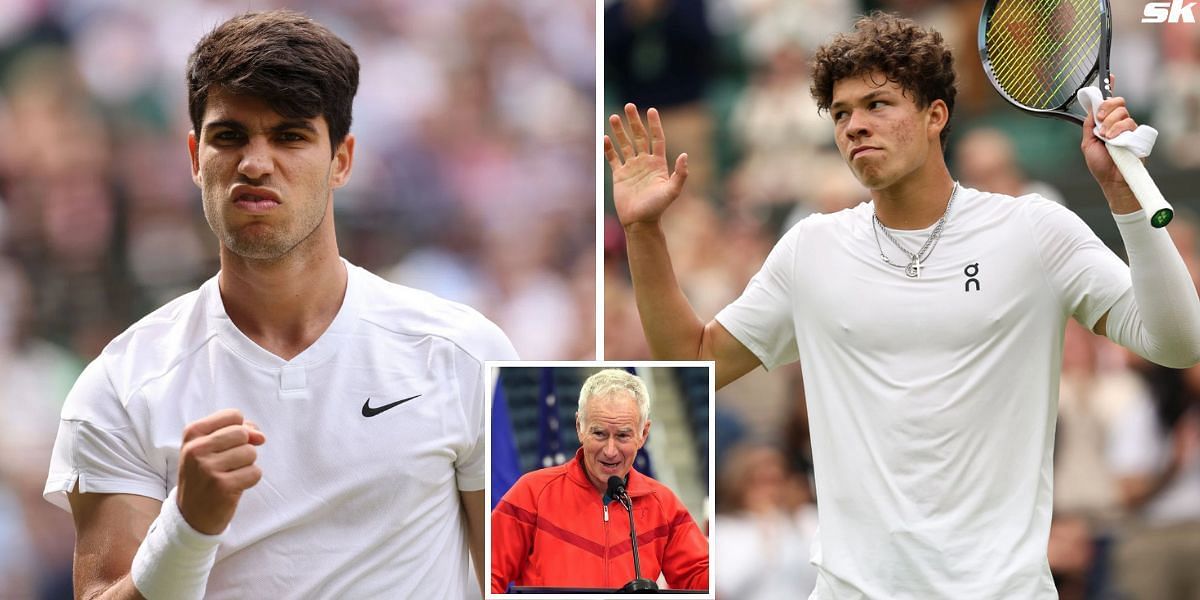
x=662 y=51
x=1096 y=387
x=767 y=521
x=1156 y=454
x=35 y=375
x=986 y=160
x=783 y=139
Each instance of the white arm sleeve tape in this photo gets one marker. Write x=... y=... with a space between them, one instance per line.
x=1159 y=318
x=174 y=560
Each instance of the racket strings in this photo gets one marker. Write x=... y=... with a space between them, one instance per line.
x=1014 y=20
x=1077 y=61
x=1011 y=21
x=1041 y=52
x=1076 y=58
x=1036 y=75
x=1045 y=53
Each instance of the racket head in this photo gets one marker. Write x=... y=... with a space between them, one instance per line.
x=1038 y=53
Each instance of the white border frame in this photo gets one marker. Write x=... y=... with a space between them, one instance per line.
x=601 y=173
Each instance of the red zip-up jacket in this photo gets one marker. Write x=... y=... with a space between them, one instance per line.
x=553 y=529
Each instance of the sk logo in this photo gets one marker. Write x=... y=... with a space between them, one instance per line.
x=971 y=271
x=1174 y=11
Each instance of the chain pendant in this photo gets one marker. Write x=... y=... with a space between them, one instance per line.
x=914 y=268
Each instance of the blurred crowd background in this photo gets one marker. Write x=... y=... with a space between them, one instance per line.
x=475 y=178
x=730 y=78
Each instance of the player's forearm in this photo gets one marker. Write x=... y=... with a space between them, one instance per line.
x=1121 y=200
x=109 y=530
x=672 y=328
x=473 y=505
x=121 y=589
x=477 y=560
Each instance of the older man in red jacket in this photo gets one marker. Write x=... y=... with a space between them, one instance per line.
x=557 y=527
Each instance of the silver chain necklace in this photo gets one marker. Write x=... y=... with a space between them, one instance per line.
x=913 y=268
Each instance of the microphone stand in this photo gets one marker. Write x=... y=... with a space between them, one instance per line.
x=638 y=584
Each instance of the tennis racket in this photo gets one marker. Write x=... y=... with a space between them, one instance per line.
x=1039 y=53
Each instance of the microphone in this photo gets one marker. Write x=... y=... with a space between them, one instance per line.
x=616 y=489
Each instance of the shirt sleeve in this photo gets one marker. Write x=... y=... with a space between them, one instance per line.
x=1087 y=276
x=761 y=318
x=513 y=523
x=685 y=563
x=98 y=447
x=491 y=344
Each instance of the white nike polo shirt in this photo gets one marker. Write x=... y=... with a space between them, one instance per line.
x=371 y=433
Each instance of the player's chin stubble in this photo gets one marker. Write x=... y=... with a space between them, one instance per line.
x=266 y=241
x=868 y=175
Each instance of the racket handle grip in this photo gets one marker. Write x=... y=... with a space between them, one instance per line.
x=1158 y=210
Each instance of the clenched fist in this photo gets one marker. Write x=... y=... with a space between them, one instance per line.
x=216 y=464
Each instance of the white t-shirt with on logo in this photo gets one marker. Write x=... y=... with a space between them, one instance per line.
x=932 y=400
x=371 y=433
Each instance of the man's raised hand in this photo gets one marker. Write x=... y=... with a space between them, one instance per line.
x=642 y=187
x=216 y=464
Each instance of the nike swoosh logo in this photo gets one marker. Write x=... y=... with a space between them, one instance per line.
x=367 y=411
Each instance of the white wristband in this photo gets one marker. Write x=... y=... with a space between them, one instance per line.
x=174 y=560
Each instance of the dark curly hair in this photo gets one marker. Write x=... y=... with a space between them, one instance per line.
x=914 y=57
x=296 y=65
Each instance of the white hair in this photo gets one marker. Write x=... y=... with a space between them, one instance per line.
x=611 y=381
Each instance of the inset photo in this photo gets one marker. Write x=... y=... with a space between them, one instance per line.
x=585 y=458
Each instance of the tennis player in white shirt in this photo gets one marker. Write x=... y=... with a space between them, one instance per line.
x=929 y=322
x=297 y=427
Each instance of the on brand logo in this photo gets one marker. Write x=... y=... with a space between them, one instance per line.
x=971 y=271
